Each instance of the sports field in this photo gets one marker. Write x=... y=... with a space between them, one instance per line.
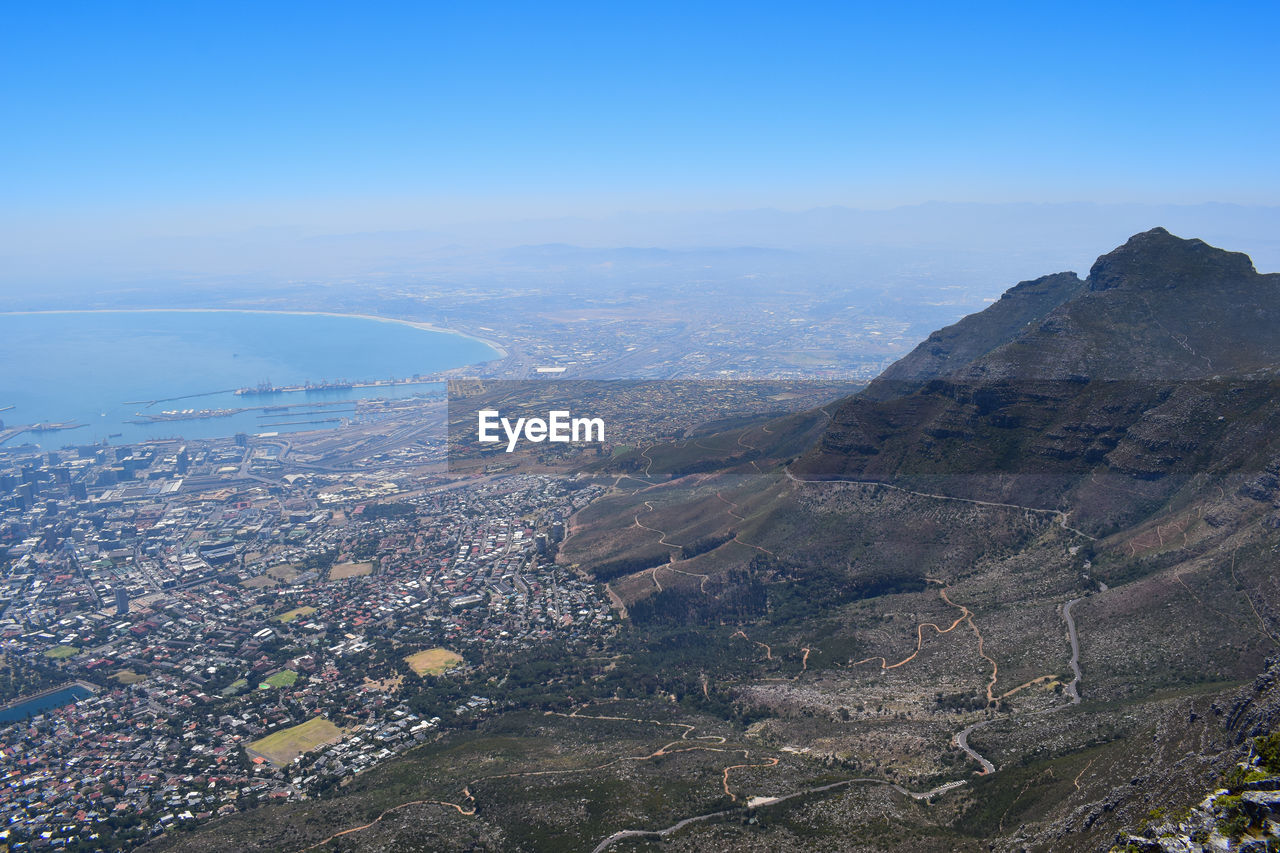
x=287 y=744
x=295 y=613
x=433 y=661
x=350 y=570
x=275 y=576
x=128 y=676
x=283 y=678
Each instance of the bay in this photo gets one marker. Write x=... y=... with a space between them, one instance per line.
x=87 y=367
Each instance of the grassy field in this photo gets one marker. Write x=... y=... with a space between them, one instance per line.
x=61 y=652
x=128 y=676
x=294 y=614
x=433 y=661
x=287 y=744
x=285 y=573
x=284 y=678
x=350 y=570
x=235 y=687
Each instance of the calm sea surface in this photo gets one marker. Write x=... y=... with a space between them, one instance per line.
x=88 y=367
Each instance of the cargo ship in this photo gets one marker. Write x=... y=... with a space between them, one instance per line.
x=184 y=415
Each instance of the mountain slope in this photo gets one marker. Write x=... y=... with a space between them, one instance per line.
x=1110 y=441
x=1159 y=368
x=1014 y=596
x=1157 y=307
x=950 y=349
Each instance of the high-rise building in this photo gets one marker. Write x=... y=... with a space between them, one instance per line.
x=122 y=601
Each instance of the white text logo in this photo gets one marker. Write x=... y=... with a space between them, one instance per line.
x=559 y=426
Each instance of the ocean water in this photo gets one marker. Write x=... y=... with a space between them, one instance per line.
x=92 y=368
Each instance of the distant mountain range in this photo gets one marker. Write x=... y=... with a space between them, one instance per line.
x=964 y=242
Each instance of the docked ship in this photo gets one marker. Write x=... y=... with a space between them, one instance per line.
x=184 y=415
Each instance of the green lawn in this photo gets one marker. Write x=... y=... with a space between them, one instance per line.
x=287 y=744
x=235 y=687
x=284 y=678
x=294 y=614
x=128 y=676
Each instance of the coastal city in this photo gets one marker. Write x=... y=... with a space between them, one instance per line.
x=529 y=428
x=207 y=638
x=671 y=332
x=190 y=628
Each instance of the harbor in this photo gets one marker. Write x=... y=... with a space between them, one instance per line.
x=37 y=428
x=265 y=388
x=266 y=411
x=111 y=386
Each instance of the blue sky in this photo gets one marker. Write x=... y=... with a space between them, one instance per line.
x=193 y=116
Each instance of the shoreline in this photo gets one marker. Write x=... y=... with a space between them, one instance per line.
x=416 y=324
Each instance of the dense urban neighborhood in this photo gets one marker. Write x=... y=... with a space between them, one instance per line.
x=230 y=640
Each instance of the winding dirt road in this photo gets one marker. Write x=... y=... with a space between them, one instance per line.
x=966 y=615
x=772 y=801
x=769 y=762
x=768 y=652
x=1059 y=515
x=664 y=750
x=961 y=739
x=732 y=506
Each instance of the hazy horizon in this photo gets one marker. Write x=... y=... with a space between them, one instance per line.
x=158 y=147
x=984 y=245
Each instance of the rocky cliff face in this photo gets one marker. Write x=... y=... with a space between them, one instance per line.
x=1158 y=307
x=1160 y=366
x=948 y=351
x=1243 y=812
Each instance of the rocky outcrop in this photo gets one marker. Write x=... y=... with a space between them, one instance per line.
x=1242 y=815
x=1160 y=365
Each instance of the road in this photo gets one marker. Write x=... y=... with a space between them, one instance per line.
x=676 y=827
x=1073 y=689
x=961 y=739
x=1059 y=515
